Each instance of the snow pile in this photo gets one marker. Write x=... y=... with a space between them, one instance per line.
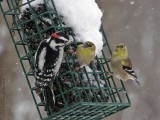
x=31 y=2
x=84 y=17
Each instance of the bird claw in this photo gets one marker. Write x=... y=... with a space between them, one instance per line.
x=38 y=91
x=109 y=74
x=71 y=52
x=77 y=68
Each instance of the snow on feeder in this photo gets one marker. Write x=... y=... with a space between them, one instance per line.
x=86 y=94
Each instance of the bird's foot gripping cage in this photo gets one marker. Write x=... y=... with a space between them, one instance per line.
x=80 y=95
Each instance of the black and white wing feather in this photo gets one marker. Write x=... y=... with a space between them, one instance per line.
x=129 y=70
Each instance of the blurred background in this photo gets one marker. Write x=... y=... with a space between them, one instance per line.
x=135 y=23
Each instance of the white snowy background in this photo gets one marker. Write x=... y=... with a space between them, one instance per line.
x=136 y=23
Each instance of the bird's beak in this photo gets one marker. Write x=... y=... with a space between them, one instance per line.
x=85 y=45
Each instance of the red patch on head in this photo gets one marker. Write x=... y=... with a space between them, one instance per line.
x=55 y=35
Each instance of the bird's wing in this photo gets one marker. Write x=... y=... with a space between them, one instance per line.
x=127 y=67
x=129 y=70
x=127 y=62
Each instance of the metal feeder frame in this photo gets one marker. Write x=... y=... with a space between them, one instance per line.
x=90 y=110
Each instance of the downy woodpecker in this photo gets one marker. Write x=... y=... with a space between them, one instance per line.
x=48 y=58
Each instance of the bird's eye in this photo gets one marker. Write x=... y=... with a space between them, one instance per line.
x=89 y=45
x=120 y=46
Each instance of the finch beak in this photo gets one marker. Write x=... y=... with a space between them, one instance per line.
x=85 y=45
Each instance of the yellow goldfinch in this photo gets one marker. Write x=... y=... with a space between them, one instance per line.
x=85 y=53
x=121 y=64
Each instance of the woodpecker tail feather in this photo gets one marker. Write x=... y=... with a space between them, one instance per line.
x=49 y=100
x=39 y=92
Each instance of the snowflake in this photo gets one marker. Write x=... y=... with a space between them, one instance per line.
x=132 y=2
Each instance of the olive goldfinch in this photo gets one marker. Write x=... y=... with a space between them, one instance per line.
x=85 y=53
x=121 y=64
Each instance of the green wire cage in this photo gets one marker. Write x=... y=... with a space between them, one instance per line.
x=78 y=97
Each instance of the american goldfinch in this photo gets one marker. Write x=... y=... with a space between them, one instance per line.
x=85 y=53
x=121 y=64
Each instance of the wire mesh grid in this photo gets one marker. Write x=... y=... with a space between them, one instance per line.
x=80 y=95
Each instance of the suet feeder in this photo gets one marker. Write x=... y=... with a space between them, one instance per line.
x=80 y=95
